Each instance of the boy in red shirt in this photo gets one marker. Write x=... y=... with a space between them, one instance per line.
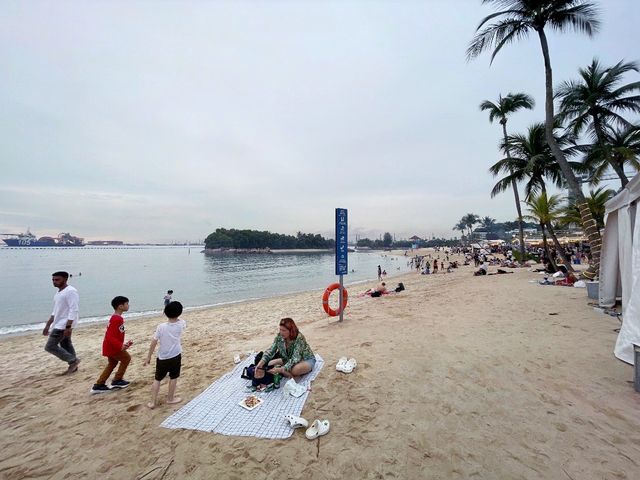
x=115 y=349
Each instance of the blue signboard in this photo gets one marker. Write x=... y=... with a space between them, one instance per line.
x=341 y=241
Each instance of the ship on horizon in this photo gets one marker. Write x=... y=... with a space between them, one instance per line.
x=28 y=239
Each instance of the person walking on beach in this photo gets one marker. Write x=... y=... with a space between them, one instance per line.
x=169 y=358
x=167 y=297
x=63 y=319
x=379 y=273
x=115 y=349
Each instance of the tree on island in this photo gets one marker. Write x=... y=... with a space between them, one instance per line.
x=517 y=21
x=387 y=239
x=254 y=239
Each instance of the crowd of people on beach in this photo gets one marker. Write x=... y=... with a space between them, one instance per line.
x=295 y=354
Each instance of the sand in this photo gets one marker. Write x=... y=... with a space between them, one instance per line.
x=458 y=377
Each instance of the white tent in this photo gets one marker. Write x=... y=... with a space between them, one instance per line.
x=620 y=265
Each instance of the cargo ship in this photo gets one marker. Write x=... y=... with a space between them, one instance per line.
x=28 y=239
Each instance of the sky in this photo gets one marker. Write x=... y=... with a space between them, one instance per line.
x=162 y=121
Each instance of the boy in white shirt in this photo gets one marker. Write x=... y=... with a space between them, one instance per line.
x=169 y=354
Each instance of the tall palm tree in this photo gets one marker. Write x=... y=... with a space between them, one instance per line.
x=596 y=101
x=544 y=209
x=517 y=21
x=500 y=111
x=622 y=146
x=533 y=163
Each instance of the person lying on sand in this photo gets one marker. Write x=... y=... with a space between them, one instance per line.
x=380 y=290
x=568 y=281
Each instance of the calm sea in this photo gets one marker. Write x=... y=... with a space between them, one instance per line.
x=145 y=274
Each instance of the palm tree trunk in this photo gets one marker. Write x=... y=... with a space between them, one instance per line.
x=560 y=249
x=588 y=223
x=597 y=125
x=514 y=185
x=546 y=247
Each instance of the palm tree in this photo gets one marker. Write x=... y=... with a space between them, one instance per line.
x=487 y=222
x=461 y=227
x=501 y=111
x=596 y=101
x=570 y=215
x=532 y=161
x=543 y=210
x=622 y=146
x=469 y=220
x=517 y=21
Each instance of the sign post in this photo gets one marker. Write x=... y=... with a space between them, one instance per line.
x=342 y=266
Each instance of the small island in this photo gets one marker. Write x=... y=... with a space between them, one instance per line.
x=224 y=241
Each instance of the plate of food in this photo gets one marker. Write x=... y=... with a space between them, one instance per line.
x=250 y=402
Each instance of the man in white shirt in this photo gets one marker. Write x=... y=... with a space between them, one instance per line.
x=63 y=319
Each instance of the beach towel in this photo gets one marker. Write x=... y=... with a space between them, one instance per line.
x=217 y=409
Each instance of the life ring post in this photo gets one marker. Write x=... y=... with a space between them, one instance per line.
x=340 y=297
x=343 y=299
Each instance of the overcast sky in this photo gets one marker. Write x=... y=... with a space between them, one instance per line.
x=161 y=121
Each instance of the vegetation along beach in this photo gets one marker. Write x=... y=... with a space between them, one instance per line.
x=320 y=240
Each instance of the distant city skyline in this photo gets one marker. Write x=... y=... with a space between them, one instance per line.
x=161 y=121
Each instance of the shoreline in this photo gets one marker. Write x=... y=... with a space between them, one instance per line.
x=88 y=322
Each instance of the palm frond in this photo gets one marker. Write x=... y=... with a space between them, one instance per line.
x=582 y=18
x=495 y=34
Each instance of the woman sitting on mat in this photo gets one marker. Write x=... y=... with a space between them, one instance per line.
x=297 y=356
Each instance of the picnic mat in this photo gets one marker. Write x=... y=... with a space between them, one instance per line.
x=217 y=409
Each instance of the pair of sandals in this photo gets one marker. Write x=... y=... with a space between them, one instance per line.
x=346 y=366
x=317 y=428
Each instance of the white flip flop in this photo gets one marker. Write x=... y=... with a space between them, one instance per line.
x=351 y=365
x=317 y=429
x=348 y=366
x=341 y=363
x=296 y=422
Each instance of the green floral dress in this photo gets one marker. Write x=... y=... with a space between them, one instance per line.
x=297 y=351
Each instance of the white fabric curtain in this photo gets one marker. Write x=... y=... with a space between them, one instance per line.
x=622 y=233
x=630 y=330
x=609 y=287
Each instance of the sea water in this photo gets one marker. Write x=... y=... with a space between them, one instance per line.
x=144 y=274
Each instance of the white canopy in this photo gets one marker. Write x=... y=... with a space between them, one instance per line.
x=620 y=265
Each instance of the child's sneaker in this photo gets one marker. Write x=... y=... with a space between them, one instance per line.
x=99 y=388
x=119 y=384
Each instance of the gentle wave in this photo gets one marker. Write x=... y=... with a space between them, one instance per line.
x=17 y=329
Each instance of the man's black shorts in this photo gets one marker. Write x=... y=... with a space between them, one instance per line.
x=170 y=366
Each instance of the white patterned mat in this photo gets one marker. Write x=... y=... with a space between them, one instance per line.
x=217 y=409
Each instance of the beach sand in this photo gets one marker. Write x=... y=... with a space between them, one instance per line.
x=458 y=377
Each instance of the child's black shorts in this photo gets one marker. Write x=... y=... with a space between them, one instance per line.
x=170 y=366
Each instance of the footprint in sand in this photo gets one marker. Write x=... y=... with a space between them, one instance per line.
x=366 y=344
x=134 y=408
x=561 y=427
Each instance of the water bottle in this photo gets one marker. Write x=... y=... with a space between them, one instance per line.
x=276 y=380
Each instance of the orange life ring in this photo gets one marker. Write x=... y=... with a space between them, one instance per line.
x=325 y=300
